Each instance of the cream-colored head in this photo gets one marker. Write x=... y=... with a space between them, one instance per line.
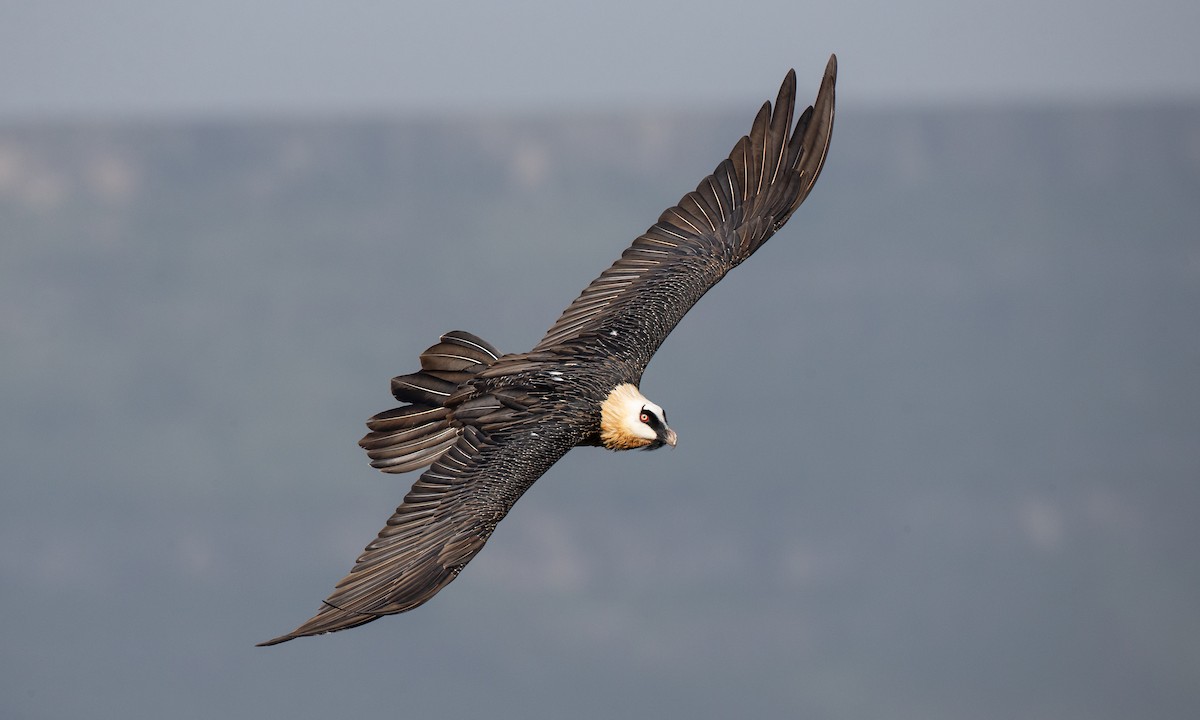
x=628 y=420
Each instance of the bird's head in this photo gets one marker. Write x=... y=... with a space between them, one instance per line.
x=628 y=420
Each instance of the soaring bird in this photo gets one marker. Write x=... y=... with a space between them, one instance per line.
x=488 y=425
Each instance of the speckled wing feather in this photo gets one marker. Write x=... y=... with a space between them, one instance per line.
x=635 y=303
x=444 y=521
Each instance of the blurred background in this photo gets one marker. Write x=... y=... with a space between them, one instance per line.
x=939 y=449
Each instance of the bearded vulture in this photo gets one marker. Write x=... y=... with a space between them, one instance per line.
x=487 y=425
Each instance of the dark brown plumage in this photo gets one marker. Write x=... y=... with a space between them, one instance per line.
x=488 y=425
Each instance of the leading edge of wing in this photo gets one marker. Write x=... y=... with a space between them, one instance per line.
x=731 y=214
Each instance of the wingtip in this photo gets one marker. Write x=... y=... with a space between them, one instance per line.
x=831 y=69
x=825 y=99
x=829 y=79
x=275 y=641
x=829 y=82
x=788 y=88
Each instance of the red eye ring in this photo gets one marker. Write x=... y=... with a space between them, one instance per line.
x=644 y=417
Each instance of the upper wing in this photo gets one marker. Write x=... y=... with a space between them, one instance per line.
x=444 y=521
x=636 y=302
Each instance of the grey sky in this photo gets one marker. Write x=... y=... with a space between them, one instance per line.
x=139 y=57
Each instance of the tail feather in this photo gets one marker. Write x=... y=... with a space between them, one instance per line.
x=415 y=435
x=385 y=436
x=389 y=447
x=421 y=388
x=408 y=416
x=466 y=344
x=456 y=357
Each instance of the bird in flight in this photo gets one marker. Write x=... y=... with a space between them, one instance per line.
x=488 y=425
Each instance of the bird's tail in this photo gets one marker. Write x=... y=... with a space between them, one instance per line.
x=414 y=435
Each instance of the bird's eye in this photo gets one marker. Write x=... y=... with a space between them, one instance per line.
x=645 y=417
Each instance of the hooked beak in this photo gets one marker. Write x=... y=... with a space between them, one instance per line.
x=669 y=437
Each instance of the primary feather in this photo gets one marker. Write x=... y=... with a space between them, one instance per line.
x=488 y=425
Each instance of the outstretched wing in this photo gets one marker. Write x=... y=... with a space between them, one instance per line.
x=444 y=521
x=635 y=303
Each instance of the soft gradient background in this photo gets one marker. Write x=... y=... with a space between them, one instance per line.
x=938 y=450
x=136 y=57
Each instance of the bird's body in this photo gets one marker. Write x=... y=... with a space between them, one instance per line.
x=488 y=425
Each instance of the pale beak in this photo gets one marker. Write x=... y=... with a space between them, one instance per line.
x=670 y=437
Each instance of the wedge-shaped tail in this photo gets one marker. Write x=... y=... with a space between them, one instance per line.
x=415 y=435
